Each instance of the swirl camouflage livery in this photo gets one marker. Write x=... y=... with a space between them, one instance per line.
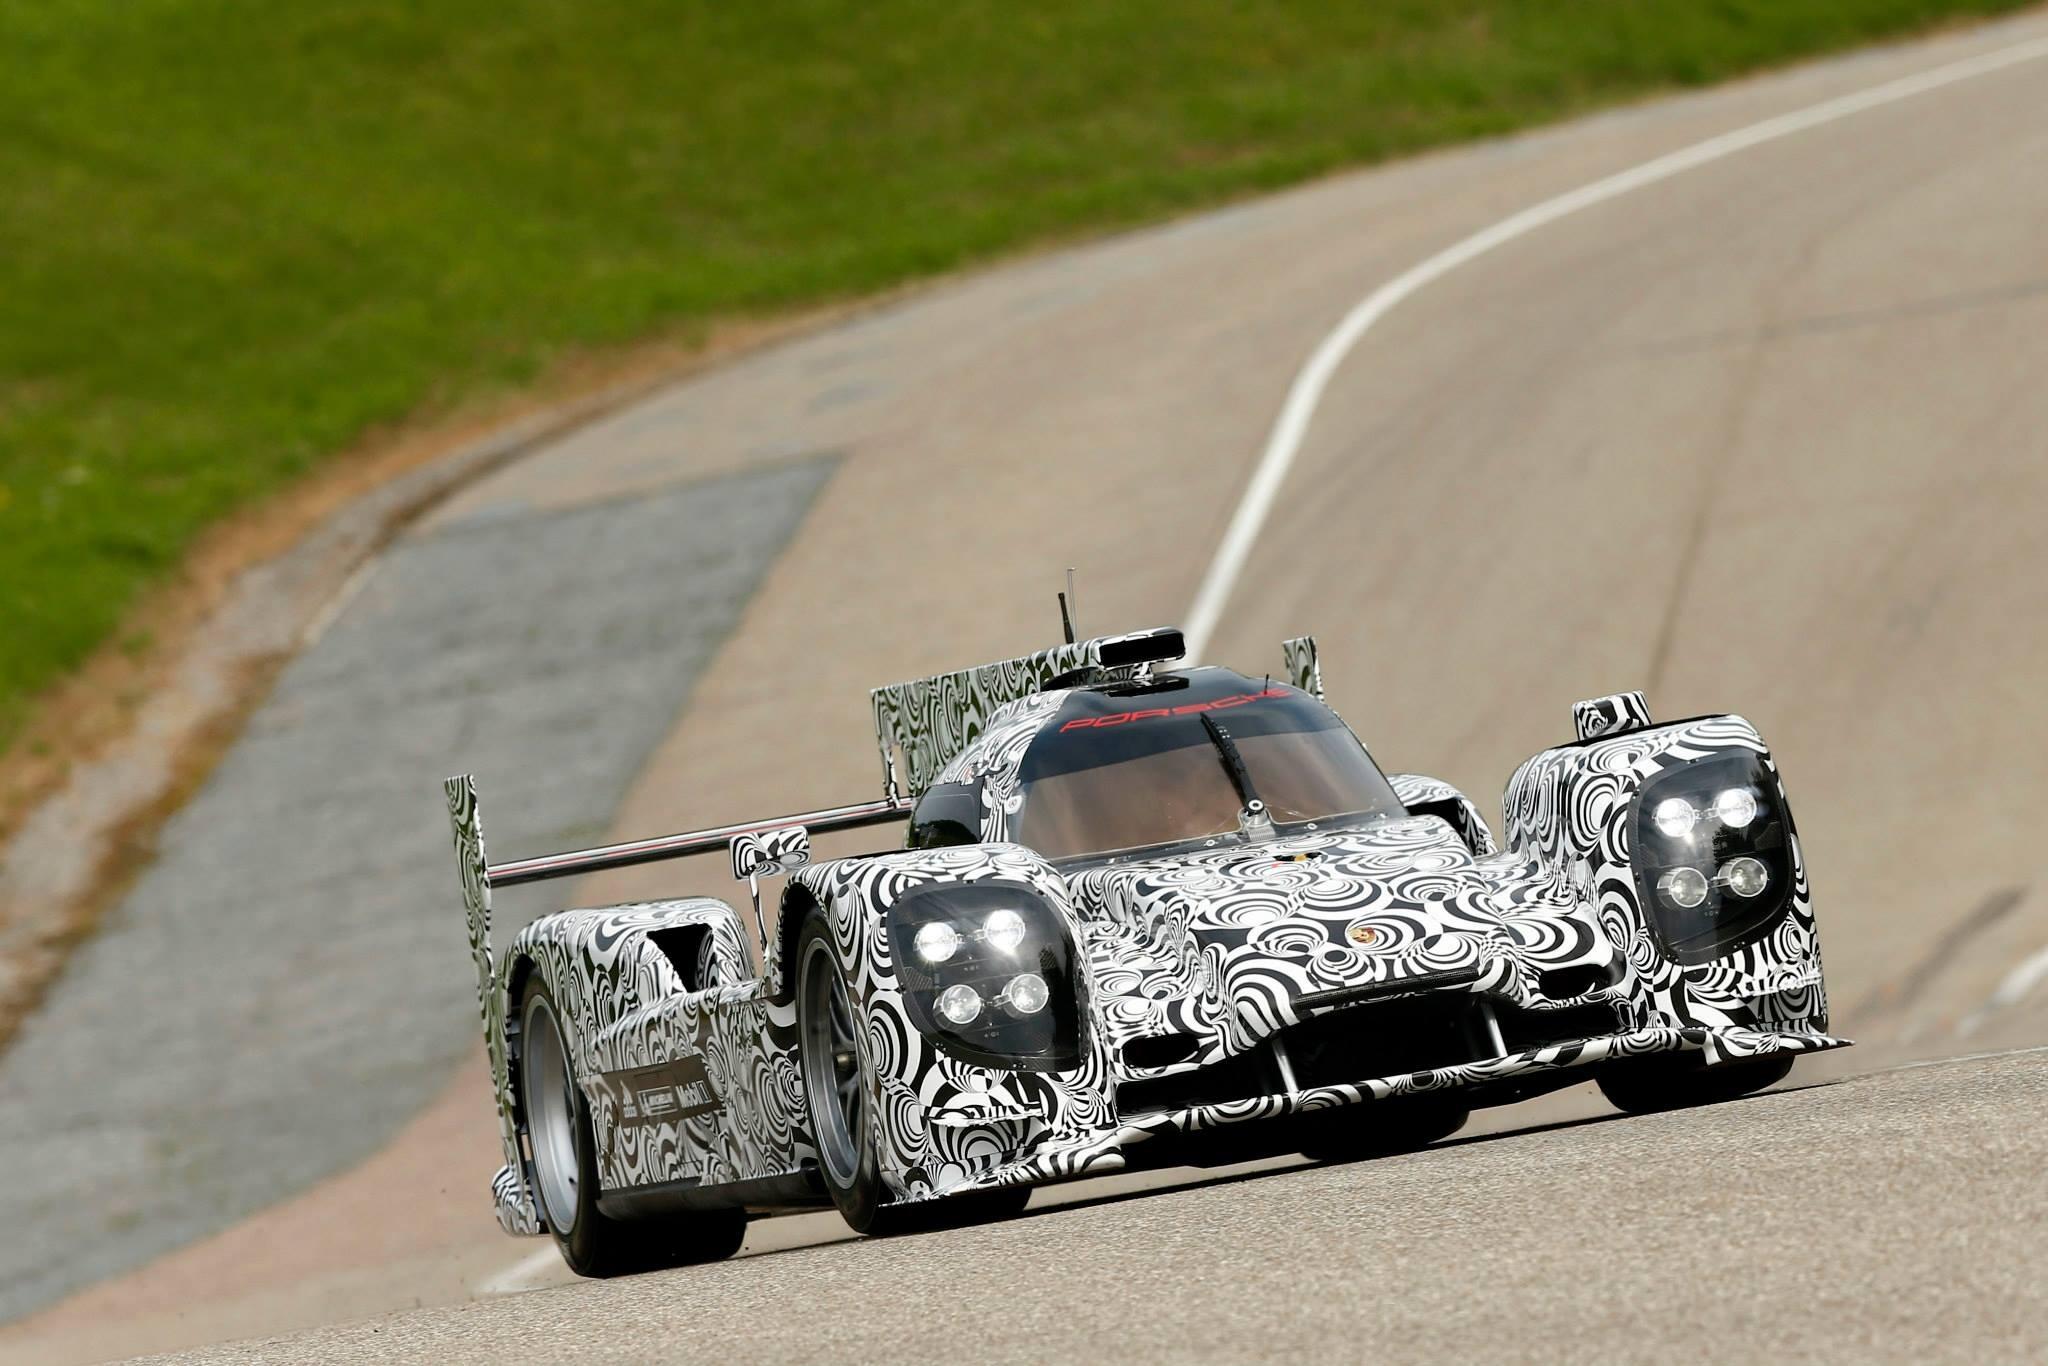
x=1140 y=911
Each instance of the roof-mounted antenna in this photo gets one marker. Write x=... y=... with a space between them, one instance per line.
x=1066 y=607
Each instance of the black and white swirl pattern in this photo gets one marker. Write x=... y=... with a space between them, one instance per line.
x=1217 y=946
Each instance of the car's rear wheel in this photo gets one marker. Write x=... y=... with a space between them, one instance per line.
x=559 y=1134
x=838 y=1080
x=1381 y=1128
x=1642 y=1086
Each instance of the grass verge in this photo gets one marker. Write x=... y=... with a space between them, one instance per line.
x=234 y=237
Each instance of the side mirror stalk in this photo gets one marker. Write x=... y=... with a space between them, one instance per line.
x=763 y=853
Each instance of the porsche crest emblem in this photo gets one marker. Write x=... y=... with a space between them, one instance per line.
x=1363 y=935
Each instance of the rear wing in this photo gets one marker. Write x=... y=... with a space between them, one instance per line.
x=479 y=876
x=626 y=855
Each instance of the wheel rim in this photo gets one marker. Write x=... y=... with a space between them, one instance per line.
x=831 y=1064
x=550 y=1115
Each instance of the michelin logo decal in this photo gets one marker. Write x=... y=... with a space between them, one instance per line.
x=665 y=1093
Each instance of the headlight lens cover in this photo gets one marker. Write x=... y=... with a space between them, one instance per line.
x=1005 y=992
x=1713 y=856
x=937 y=941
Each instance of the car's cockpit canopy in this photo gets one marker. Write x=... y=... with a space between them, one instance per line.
x=1134 y=766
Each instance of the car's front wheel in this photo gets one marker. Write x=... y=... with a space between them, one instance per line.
x=1642 y=1086
x=558 y=1129
x=838 y=1081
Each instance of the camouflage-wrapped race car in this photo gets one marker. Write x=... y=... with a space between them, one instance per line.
x=1143 y=915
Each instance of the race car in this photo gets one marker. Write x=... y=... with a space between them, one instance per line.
x=1142 y=915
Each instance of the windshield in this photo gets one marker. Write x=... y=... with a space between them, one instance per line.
x=1124 y=772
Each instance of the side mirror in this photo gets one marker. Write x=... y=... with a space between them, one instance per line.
x=768 y=852
x=764 y=853
x=1596 y=718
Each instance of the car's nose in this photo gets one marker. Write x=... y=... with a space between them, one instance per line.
x=1302 y=968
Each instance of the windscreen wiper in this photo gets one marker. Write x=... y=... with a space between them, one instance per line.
x=1253 y=820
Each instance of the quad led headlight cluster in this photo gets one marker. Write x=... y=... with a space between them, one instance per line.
x=1712 y=854
x=988 y=972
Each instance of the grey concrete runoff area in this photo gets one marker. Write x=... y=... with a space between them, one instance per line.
x=273 y=998
x=1892 y=1217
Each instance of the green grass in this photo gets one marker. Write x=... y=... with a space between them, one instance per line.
x=235 y=236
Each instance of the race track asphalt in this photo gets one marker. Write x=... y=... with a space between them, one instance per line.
x=1769 y=435
x=1897 y=1217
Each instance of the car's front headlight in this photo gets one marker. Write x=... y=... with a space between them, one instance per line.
x=987 y=970
x=1713 y=854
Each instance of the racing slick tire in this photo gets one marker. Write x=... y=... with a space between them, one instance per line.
x=1381 y=1128
x=1644 y=1086
x=566 y=1181
x=837 y=1077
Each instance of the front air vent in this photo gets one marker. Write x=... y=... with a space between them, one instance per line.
x=1250 y=1073
x=1564 y=984
x=1525 y=1030
x=1414 y=984
x=1386 y=1039
x=1161 y=1050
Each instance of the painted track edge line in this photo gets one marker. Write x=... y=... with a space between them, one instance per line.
x=1303 y=396
x=1944 y=1062
x=2013 y=988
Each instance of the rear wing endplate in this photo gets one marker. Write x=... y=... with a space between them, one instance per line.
x=1304 y=666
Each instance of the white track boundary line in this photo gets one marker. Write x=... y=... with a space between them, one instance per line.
x=1285 y=441
x=2021 y=981
x=2016 y=987
x=1944 y=1062
x=325 y=617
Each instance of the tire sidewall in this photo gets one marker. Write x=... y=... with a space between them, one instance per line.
x=581 y=1244
x=599 y=1246
x=860 y=1199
